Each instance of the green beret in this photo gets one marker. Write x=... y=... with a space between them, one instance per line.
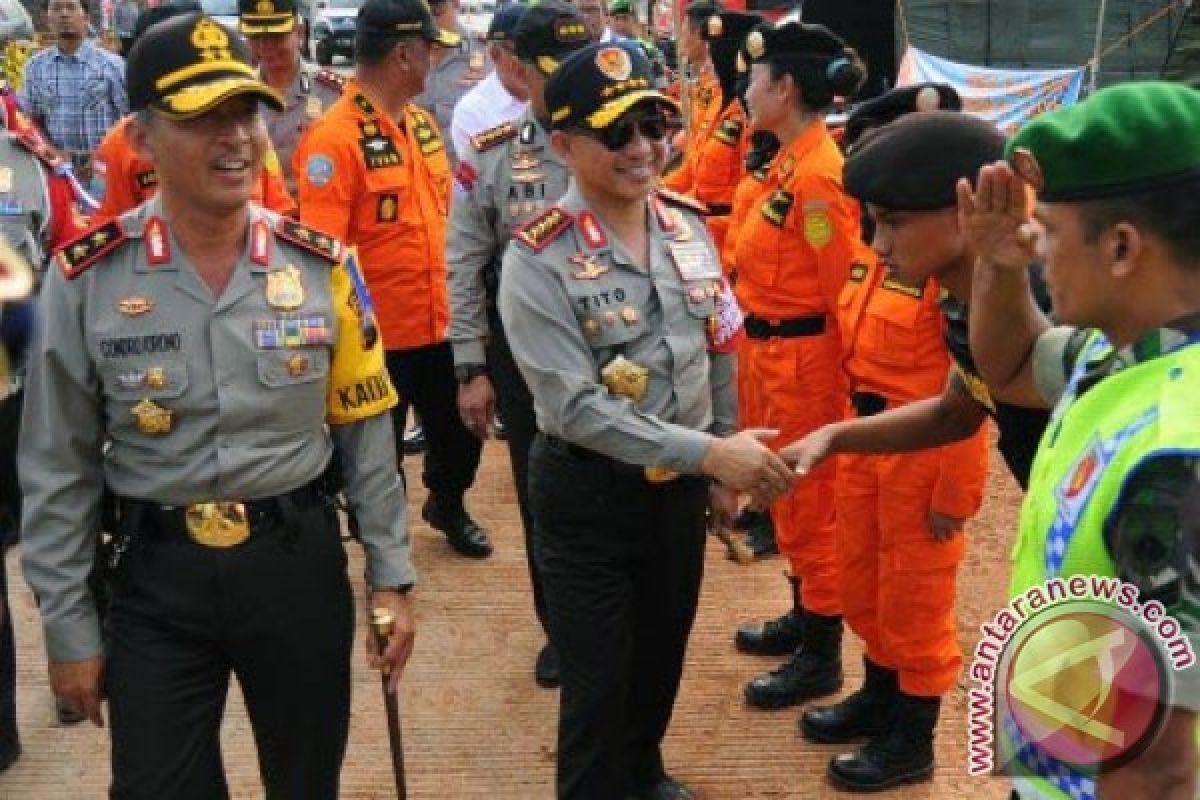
x=620 y=7
x=1129 y=138
x=915 y=163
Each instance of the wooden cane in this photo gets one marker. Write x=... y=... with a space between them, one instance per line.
x=381 y=625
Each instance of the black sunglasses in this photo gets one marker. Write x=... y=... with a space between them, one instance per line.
x=654 y=127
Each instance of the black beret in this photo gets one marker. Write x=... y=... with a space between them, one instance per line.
x=895 y=104
x=700 y=10
x=915 y=163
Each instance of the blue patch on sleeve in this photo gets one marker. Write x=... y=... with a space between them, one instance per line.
x=319 y=170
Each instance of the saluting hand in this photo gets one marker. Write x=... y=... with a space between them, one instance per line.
x=743 y=463
x=996 y=218
x=79 y=685
x=807 y=453
x=400 y=643
x=477 y=405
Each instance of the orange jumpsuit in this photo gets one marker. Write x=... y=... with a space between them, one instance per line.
x=898 y=584
x=713 y=164
x=130 y=180
x=795 y=244
x=383 y=187
x=750 y=411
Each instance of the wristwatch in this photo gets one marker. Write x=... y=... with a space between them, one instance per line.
x=465 y=373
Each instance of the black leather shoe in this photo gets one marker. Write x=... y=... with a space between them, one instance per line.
x=463 y=533
x=9 y=755
x=902 y=754
x=545 y=669
x=760 y=537
x=67 y=715
x=665 y=789
x=867 y=712
x=814 y=670
x=775 y=637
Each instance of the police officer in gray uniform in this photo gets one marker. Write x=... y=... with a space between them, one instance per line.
x=272 y=28
x=204 y=360
x=452 y=71
x=511 y=174
x=610 y=302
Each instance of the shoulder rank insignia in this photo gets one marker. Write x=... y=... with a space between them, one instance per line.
x=729 y=132
x=675 y=198
x=493 y=136
x=77 y=256
x=364 y=104
x=330 y=79
x=858 y=272
x=310 y=239
x=544 y=228
x=893 y=285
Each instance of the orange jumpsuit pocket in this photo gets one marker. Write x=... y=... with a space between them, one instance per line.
x=890 y=333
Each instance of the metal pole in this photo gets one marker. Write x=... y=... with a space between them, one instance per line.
x=1097 y=53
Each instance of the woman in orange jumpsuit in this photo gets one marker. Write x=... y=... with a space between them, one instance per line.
x=794 y=249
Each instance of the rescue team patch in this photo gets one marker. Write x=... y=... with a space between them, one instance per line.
x=818 y=227
x=77 y=256
x=310 y=239
x=729 y=132
x=776 y=209
x=385 y=210
x=678 y=199
x=893 y=285
x=319 y=170
x=544 y=228
x=493 y=136
x=378 y=149
x=858 y=272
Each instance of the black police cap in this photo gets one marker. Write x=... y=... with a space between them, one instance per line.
x=261 y=17
x=188 y=65
x=548 y=32
x=397 y=18
x=594 y=86
x=895 y=104
x=915 y=163
x=504 y=22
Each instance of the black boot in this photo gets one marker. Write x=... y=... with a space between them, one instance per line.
x=814 y=670
x=760 y=536
x=463 y=533
x=864 y=713
x=775 y=637
x=901 y=754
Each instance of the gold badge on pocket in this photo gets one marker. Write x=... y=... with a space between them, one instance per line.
x=152 y=418
x=624 y=378
x=284 y=289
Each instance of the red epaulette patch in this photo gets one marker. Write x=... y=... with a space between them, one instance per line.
x=675 y=198
x=33 y=141
x=543 y=229
x=330 y=79
x=78 y=255
x=310 y=239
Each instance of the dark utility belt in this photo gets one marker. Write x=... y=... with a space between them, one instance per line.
x=759 y=328
x=868 y=404
x=220 y=523
x=656 y=475
x=720 y=210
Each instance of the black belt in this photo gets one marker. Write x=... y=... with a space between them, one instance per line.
x=564 y=447
x=720 y=210
x=868 y=404
x=137 y=516
x=759 y=328
x=573 y=450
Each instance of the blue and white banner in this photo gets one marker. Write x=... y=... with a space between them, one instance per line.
x=1007 y=97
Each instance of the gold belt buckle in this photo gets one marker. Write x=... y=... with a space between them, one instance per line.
x=218 y=524
x=660 y=474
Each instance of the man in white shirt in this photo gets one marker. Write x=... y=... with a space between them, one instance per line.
x=500 y=97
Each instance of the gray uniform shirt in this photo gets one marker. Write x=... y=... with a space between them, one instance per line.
x=24 y=200
x=573 y=301
x=307 y=100
x=496 y=190
x=449 y=80
x=248 y=414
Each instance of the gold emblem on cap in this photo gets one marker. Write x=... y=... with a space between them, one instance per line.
x=614 y=63
x=134 y=305
x=284 y=289
x=264 y=7
x=715 y=26
x=211 y=40
x=156 y=378
x=756 y=45
x=1026 y=165
x=151 y=418
x=927 y=99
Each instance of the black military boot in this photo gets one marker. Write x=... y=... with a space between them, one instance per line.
x=864 y=713
x=814 y=670
x=775 y=637
x=463 y=533
x=901 y=754
x=760 y=536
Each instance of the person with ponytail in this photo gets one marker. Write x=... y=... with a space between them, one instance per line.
x=794 y=250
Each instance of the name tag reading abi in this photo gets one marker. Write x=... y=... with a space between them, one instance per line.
x=694 y=260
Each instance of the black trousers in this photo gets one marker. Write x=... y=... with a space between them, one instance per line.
x=277 y=612
x=520 y=426
x=424 y=377
x=10 y=519
x=621 y=562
